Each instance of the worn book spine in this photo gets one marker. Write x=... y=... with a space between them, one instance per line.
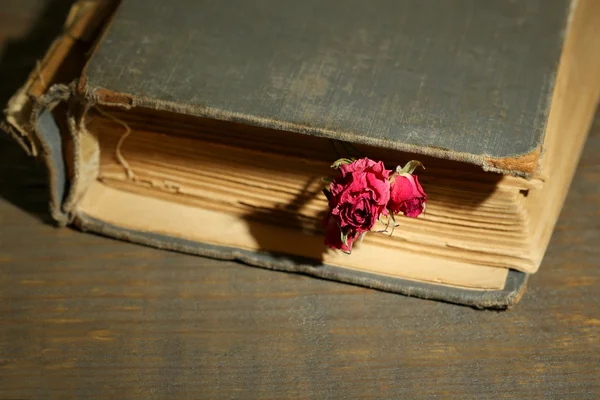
x=33 y=120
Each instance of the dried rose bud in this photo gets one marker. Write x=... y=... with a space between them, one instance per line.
x=406 y=195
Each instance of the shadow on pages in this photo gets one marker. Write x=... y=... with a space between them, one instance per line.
x=288 y=216
x=462 y=197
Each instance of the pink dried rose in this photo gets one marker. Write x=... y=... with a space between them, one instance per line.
x=363 y=192
x=356 y=198
x=406 y=195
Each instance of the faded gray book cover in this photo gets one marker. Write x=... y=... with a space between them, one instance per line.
x=468 y=80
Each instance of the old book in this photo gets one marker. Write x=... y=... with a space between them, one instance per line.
x=205 y=127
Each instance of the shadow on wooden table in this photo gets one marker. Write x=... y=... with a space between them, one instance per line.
x=23 y=182
x=19 y=55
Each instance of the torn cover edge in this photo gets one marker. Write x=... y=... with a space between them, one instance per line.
x=29 y=118
x=521 y=165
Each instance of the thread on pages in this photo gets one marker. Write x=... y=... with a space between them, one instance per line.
x=118 y=153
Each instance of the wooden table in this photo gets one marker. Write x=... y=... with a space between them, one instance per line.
x=83 y=316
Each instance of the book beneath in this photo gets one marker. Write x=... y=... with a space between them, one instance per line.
x=227 y=173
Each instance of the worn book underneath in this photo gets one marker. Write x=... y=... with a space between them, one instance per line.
x=206 y=127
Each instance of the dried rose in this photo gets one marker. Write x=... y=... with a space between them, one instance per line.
x=357 y=198
x=406 y=195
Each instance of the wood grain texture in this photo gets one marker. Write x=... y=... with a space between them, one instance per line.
x=83 y=316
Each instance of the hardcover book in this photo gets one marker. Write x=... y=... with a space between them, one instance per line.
x=206 y=127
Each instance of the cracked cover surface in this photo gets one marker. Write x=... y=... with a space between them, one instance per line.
x=464 y=79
